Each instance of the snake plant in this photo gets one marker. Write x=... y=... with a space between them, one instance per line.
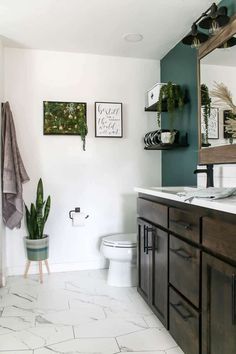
x=37 y=214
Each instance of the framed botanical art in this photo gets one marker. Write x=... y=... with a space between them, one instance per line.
x=108 y=120
x=226 y=116
x=64 y=118
x=213 y=124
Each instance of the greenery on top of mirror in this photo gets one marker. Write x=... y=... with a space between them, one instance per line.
x=172 y=96
x=224 y=98
x=206 y=104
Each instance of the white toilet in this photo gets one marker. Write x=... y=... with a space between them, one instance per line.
x=121 y=250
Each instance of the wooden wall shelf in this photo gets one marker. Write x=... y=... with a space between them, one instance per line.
x=166 y=146
x=153 y=108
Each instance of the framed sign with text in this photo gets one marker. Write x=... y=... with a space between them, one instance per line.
x=108 y=120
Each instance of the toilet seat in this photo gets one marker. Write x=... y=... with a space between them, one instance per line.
x=121 y=241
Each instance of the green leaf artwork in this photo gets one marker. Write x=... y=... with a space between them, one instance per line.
x=65 y=118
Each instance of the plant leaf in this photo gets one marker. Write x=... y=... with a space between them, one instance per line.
x=47 y=209
x=39 y=199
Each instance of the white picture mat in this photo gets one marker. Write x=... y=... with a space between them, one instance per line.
x=108 y=119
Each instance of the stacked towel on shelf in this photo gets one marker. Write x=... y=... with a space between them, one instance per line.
x=152 y=138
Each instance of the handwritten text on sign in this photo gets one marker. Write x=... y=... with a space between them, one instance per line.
x=108 y=119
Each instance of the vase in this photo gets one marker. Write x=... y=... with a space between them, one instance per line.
x=38 y=249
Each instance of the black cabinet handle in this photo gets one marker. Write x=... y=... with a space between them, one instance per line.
x=181 y=253
x=146 y=232
x=144 y=238
x=183 y=224
x=177 y=308
x=233 y=299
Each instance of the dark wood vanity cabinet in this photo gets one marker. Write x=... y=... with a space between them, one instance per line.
x=187 y=272
x=218 y=306
x=152 y=267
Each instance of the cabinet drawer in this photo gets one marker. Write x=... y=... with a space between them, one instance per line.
x=184 y=323
x=184 y=269
x=219 y=236
x=185 y=224
x=154 y=212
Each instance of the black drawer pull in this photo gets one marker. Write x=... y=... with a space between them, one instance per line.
x=233 y=299
x=182 y=224
x=181 y=253
x=177 y=308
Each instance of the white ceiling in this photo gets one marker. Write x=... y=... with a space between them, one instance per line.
x=97 y=26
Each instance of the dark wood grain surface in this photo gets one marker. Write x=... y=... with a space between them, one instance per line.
x=184 y=263
x=184 y=324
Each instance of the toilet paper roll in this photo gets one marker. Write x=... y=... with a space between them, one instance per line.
x=78 y=219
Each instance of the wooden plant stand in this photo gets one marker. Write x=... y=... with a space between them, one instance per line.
x=40 y=269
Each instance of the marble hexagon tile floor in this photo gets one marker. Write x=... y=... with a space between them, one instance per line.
x=77 y=313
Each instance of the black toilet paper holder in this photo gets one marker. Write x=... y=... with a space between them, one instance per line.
x=76 y=210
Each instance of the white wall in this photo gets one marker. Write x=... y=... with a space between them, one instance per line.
x=2 y=227
x=100 y=180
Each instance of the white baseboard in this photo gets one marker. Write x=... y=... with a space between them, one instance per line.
x=59 y=267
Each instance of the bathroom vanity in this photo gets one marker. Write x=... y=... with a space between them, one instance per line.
x=187 y=268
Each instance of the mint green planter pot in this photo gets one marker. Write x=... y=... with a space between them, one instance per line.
x=37 y=250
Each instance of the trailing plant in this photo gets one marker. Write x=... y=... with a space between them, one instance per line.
x=83 y=129
x=224 y=98
x=206 y=104
x=173 y=96
x=37 y=215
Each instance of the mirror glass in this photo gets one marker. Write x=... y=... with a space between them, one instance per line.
x=218 y=96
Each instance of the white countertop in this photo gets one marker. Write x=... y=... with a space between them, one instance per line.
x=227 y=205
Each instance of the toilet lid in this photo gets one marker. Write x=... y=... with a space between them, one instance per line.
x=121 y=240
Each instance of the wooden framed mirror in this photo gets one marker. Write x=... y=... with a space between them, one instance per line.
x=217 y=129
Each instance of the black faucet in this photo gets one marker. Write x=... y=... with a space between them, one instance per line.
x=209 y=172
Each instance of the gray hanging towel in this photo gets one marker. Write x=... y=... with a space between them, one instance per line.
x=13 y=172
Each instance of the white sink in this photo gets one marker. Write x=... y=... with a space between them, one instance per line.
x=174 y=190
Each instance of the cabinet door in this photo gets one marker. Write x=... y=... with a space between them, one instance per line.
x=159 y=274
x=144 y=260
x=218 y=306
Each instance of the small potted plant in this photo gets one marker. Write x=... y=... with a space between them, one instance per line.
x=37 y=243
x=206 y=112
x=171 y=96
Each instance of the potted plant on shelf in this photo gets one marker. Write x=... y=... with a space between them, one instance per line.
x=171 y=96
x=206 y=112
x=37 y=243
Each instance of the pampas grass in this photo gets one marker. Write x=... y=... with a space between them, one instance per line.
x=223 y=96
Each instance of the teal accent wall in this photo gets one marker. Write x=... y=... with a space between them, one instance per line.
x=180 y=67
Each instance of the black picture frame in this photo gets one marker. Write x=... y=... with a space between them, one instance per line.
x=62 y=132
x=108 y=124
x=213 y=124
x=227 y=135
